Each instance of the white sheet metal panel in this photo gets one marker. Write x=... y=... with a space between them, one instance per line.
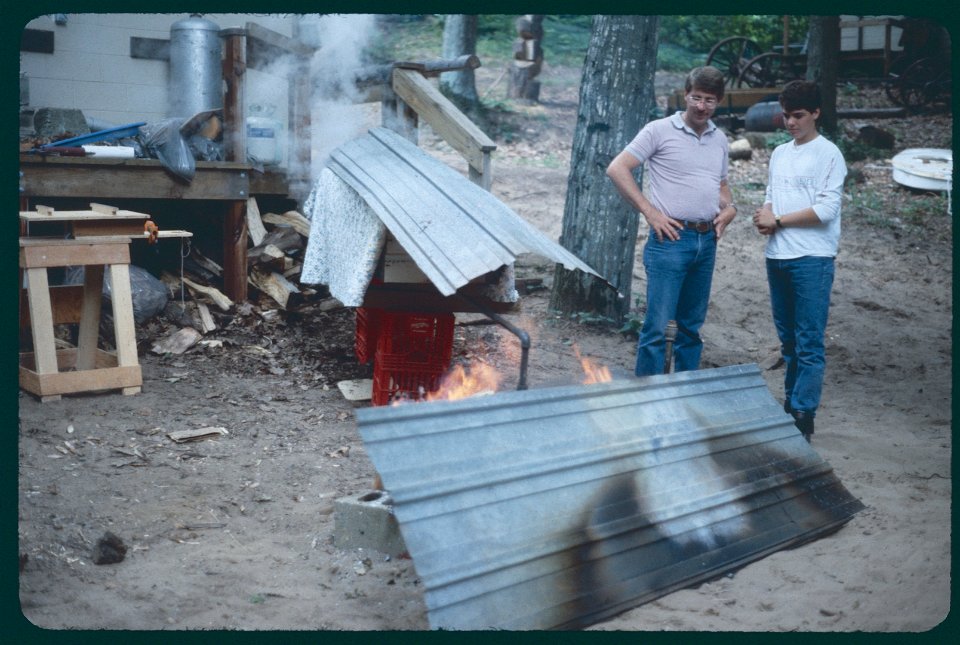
x=452 y=229
x=558 y=507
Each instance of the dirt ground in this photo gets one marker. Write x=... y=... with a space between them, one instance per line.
x=236 y=532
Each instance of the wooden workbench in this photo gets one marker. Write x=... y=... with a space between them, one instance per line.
x=226 y=185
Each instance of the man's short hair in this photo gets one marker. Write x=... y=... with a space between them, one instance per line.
x=706 y=79
x=801 y=95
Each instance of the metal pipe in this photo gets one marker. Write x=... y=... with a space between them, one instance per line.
x=671 y=336
x=516 y=331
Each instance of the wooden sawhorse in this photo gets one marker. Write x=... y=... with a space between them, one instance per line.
x=48 y=372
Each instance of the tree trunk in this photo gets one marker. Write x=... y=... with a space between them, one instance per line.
x=823 y=52
x=459 y=38
x=616 y=99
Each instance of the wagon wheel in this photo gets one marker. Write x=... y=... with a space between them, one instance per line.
x=731 y=54
x=891 y=84
x=770 y=69
x=920 y=84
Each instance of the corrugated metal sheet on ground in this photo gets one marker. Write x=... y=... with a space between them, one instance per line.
x=453 y=230
x=559 y=507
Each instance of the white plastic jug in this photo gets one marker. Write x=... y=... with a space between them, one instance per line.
x=264 y=136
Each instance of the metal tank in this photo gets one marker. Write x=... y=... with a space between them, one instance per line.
x=196 y=79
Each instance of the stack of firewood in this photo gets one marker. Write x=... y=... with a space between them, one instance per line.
x=274 y=262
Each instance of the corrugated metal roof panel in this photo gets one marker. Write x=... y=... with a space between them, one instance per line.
x=558 y=507
x=452 y=229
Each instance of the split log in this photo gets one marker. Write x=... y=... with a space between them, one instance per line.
x=214 y=294
x=285 y=238
x=178 y=342
x=274 y=285
x=207 y=323
x=291 y=218
x=207 y=263
x=254 y=224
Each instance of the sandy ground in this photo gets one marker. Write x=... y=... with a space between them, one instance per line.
x=236 y=533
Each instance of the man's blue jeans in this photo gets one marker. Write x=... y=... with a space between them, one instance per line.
x=800 y=300
x=679 y=275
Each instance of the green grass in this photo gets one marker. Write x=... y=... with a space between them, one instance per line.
x=565 y=41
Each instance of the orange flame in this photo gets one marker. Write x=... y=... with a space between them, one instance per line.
x=480 y=378
x=593 y=372
x=460 y=383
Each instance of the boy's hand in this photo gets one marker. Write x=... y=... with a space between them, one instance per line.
x=764 y=220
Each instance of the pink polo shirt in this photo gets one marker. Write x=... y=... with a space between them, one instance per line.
x=685 y=170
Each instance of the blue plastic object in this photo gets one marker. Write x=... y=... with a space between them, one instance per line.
x=129 y=130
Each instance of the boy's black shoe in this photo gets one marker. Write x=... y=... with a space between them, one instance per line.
x=804 y=423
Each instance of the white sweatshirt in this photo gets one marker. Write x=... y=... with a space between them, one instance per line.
x=804 y=176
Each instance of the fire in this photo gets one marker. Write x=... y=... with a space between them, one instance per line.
x=593 y=372
x=460 y=383
x=480 y=378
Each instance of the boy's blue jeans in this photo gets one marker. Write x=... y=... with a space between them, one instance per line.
x=800 y=300
x=679 y=275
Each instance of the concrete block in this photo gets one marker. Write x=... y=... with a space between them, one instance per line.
x=366 y=520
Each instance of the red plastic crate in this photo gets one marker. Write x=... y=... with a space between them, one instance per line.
x=368 y=329
x=393 y=376
x=413 y=352
x=419 y=336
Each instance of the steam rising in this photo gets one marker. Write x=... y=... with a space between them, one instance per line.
x=341 y=41
x=336 y=118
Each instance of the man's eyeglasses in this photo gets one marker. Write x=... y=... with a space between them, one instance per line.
x=709 y=102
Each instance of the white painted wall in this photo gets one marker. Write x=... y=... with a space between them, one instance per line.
x=91 y=68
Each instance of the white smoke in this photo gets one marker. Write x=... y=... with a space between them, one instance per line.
x=337 y=117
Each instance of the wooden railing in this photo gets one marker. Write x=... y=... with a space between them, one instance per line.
x=416 y=96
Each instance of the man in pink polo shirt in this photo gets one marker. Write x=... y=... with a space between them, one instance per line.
x=687 y=206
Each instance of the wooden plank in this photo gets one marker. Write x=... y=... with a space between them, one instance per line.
x=41 y=314
x=73 y=254
x=443 y=116
x=123 y=325
x=131 y=178
x=108 y=378
x=103 y=208
x=50 y=215
x=130 y=228
x=90 y=316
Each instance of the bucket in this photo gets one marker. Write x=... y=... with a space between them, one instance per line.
x=764 y=117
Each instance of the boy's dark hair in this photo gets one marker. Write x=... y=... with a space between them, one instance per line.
x=801 y=95
x=706 y=79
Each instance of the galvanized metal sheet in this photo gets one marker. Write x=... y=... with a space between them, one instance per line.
x=558 y=507
x=452 y=229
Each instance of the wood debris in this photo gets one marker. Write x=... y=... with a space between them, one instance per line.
x=178 y=342
x=199 y=434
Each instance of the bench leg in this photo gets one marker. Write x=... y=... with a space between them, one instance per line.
x=90 y=317
x=126 y=339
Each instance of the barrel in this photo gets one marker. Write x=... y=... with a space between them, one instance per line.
x=764 y=117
